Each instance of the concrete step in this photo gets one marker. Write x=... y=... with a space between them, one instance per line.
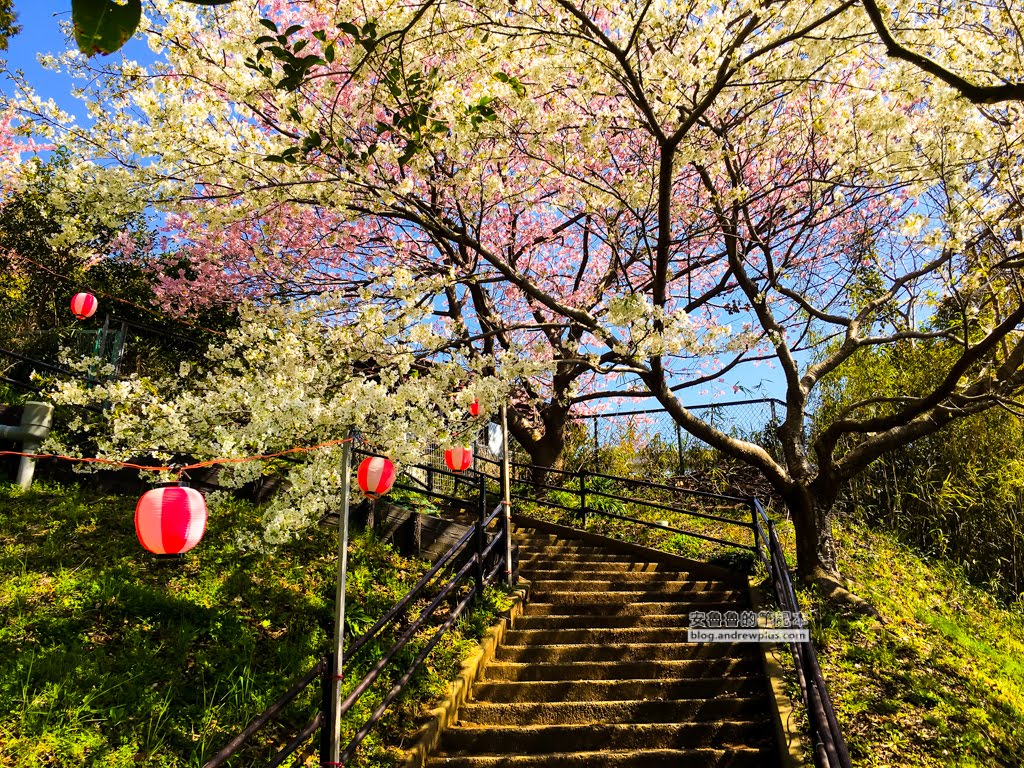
x=609 y=574
x=590 y=621
x=645 y=758
x=631 y=608
x=639 y=652
x=616 y=566
x=661 y=586
x=596 y=636
x=567 y=548
x=579 y=712
x=700 y=665
x=503 y=692
x=533 y=739
x=624 y=565
x=597 y=672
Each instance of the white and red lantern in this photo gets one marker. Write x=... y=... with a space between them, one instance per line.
x=376 y=475
x=459 y=458
x=83 y=305
x=474 y=408
x=170 y=520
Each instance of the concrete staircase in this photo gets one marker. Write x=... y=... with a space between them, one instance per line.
x=597 y=671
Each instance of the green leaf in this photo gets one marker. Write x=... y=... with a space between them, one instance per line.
x=103 y=26
x=269 y=24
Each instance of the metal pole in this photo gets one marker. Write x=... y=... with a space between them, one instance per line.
x=597 y=447
x=754 y=521
x=481 y=536
x=679 y=446
x=334 y=720
x=506 y=495
x=583 y=499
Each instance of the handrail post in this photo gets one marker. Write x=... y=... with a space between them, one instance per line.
x=327 y=678
x=583 y=498
x=334 y=724
x=506 y=496
x=481 y=535
x=754 y=524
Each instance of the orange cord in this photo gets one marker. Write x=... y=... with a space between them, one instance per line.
x=180 y=470
x=150 y=310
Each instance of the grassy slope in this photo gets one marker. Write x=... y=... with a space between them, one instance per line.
x=109 y=657
x=941 y=681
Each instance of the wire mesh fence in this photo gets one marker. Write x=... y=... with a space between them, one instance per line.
x=654 y=429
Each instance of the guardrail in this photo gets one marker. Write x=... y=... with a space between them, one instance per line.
x=828 y=743
x=478 y=558
x=829 y=746
x=588 y=488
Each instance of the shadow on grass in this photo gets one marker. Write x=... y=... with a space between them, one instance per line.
x=111 y=657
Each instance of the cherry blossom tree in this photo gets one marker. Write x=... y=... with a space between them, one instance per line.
x=662 y=193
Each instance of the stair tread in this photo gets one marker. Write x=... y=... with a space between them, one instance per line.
x=640 y=758
x=597 y=670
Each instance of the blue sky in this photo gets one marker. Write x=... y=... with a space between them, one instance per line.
x=40 y=22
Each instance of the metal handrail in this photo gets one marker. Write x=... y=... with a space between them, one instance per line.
x=630 y=480
x=830 y=750
x=479 y=570
x=585 y=491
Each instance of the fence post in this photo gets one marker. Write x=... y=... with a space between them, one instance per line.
x=327 y=678
x=679 y=448
x=597 y=447
x=481 y=536
x=583 y=498
x=506 y=497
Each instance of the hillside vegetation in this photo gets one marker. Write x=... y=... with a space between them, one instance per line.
x=110 y=657
x=939 y=680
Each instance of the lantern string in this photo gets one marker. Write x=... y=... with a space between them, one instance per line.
x=118 y=299
x=179 y=469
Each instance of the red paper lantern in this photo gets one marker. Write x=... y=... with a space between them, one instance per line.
x=170 y=520
x=474 y=408
x=376 y=476
x=458 y=458
x=83 y=305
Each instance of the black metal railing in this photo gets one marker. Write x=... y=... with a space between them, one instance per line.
x=590 y=487
x=827 y=739
x=477 y=558
x=830 y=749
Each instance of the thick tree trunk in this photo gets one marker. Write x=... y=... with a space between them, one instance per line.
x=816 y=556
x=544 y=442
x=811 y=509
x=545 y=454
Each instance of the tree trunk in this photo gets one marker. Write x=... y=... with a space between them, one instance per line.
x=546 y=454
x=816 y=556
x=544 y=442
x=812 y=521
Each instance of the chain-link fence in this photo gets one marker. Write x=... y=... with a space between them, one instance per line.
x=651 y=442
x=746 y=419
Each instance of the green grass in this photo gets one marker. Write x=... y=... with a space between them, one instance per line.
x=940 y=680
x=111 y=657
